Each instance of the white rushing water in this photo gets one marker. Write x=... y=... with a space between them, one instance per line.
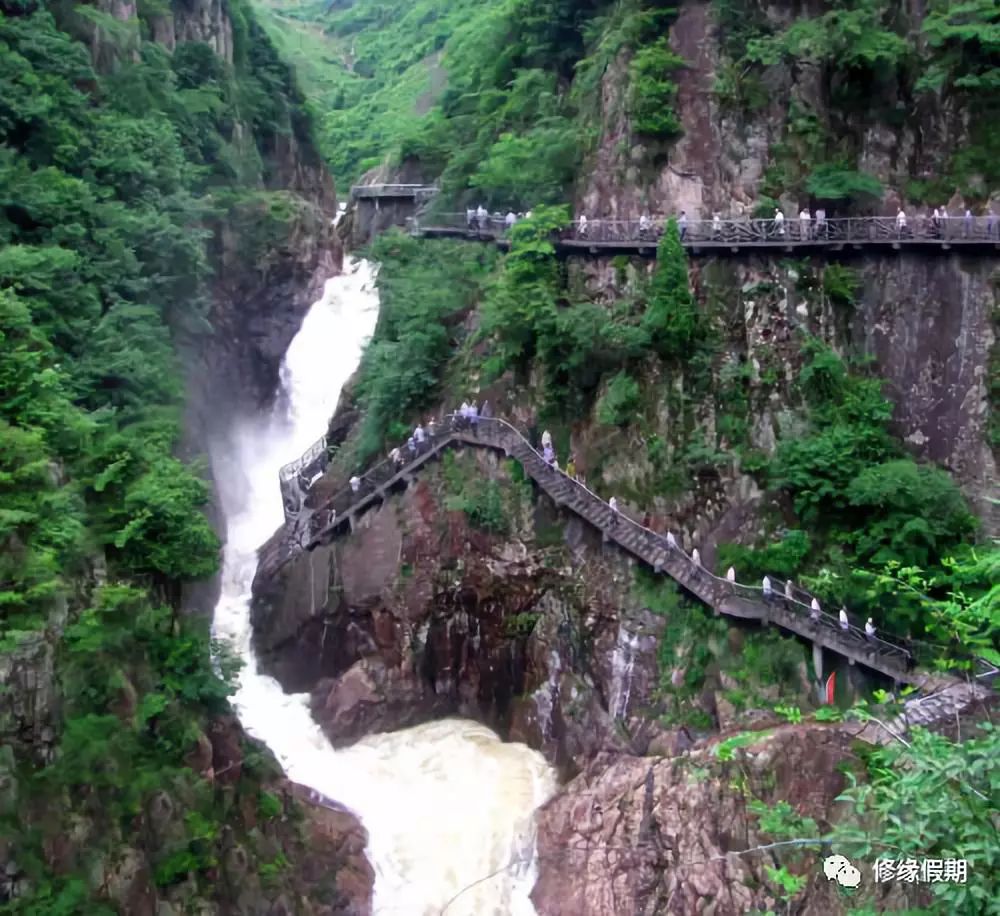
x=447 y=805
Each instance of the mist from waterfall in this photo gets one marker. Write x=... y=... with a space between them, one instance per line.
x=447 y=805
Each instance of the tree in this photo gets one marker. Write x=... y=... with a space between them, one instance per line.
x=672 y=319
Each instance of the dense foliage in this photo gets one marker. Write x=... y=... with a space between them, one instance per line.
x=425 y=293
x=111 y=178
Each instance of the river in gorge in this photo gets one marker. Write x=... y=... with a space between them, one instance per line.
x=449 y=808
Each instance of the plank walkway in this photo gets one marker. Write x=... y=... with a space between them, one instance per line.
x=788 y=607
x=852 y=234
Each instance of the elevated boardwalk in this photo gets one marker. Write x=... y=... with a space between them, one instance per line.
x=418 y=192
x=787 y=606
x=979 y=236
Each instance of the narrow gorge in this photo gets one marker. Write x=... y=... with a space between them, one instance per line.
x=703 y=587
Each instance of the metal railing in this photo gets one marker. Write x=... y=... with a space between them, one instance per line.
x=288 y=471
x=785 y=597
x=736 y=232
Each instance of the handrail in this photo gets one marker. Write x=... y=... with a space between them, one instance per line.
x=288 y=471
x=754 y=231
x=389 y=189
x=712 y=589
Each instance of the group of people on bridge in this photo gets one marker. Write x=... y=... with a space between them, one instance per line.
x=468 y=418
x=806 y=226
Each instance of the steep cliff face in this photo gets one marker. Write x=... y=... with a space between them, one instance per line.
x=202 y=819
x=728 y=141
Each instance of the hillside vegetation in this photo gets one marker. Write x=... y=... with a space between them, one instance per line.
x=113 y=180
x=502 y=99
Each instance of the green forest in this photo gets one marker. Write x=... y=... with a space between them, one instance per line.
x=130 y=174
x=115 y=176
x=501 y=100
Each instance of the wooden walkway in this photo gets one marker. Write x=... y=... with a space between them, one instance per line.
x=791 y=612
x=981 y=235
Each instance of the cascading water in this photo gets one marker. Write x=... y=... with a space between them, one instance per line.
x=449 y=808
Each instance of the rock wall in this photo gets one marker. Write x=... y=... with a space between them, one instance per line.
x=719 y=162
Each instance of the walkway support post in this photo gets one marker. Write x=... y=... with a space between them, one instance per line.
x=818 y=661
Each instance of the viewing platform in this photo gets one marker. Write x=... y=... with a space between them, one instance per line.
x=418 y=192
x=980 y=235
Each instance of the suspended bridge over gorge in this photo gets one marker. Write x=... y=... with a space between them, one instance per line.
x=977 y=235
x=786 y=606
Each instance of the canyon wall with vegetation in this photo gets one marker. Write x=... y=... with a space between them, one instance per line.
x=828 y=418
x=164 y=222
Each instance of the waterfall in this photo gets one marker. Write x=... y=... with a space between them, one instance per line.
x=622 y=665
x=446 y=805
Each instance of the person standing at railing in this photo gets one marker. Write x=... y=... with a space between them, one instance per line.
x=936 y=223
x=644 y=226
x=814 y=609
x=418 y=436
x=901 y=222
x=967 y=231
x=485 y=412
x=470 y=218
x=474 y=416
x=411 y=446
x=717 y=226
x=613 y=504
x=431 y=429
x=779 y=223
x=805 y=218
x=581 y=226
x=571 y=467
x=768 y=590
x=482 y=218
x=546 y=439
x=991 y=224
x=355 y=484
x=509 y=220
x=845 y=624
x=397 y=457
x=869 y=628
x=821 y=226
x=682 y=225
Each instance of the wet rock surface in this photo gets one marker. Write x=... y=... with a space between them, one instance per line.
x=642 y=835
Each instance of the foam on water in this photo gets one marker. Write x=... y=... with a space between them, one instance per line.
x=448 y=806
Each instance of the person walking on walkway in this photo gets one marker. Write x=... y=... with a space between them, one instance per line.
x=779 y=223
x=814 y=609
x=613 y=503
x=474 y=416
x=682 y=224
x=571 y=467
x=869 y=628
x=546 y=438
x=717 y=226
x=731 y=574
x=644 y=225
x=581 y=226
x=768 y=589
x=805 y=218
x=821 y=227
x=355 y=483
x=845 y=624
x=397 y=457
x=991 y=224
x=901 y=223
x=509 y=220
x=418 y=434
x=483 y=218
x=671 y=540
x=548 y=454
x=696 y=557
x=411 y=446
x=431 y=428
x=485 y=412
x=470 y=218
x=967 y=230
